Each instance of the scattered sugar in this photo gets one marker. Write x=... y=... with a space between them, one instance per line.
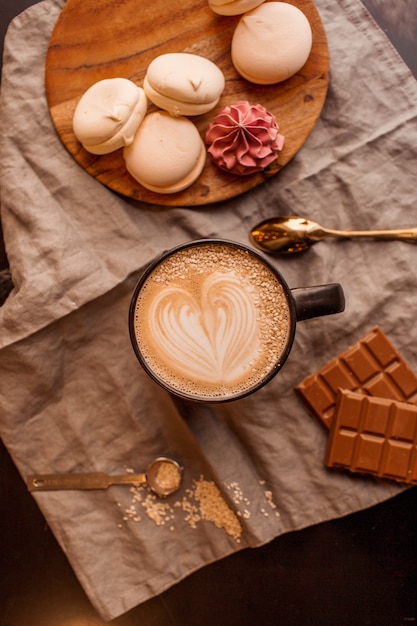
x=192 y=515
x=268 y=496
x=159 y=512
x=203 y=502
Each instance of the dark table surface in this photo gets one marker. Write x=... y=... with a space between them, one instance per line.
x=356 y=571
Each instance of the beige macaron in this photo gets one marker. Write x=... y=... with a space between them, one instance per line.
x=108 y=115
x=183 y=83
x=271 y=43
x=167 y=154
x=233 y=7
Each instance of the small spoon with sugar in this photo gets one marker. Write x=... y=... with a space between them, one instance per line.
x=163 y=476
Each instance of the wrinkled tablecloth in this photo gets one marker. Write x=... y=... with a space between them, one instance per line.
x=72 y=395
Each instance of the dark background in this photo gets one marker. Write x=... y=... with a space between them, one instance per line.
x=356 y=571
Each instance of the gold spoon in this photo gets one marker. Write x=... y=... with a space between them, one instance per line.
x=292 y=234
x=163 y=476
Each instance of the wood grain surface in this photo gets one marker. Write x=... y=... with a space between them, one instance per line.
x=97 y=39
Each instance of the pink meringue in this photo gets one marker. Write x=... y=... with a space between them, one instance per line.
x=244 y=138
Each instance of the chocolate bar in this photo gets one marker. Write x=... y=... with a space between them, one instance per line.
x=373 y=435
x=372 y=367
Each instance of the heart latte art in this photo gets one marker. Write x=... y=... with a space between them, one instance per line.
x=211 y=335
x=211 y=321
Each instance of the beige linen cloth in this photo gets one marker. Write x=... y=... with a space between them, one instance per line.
x=72 y=395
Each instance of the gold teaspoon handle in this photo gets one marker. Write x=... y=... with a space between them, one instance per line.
x=93 y=480
x=402 y=234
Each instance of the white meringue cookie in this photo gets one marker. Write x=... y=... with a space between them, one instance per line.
x=271 y=43
x=108 y=115
x=167 y=154
x=183 y=83
x=233 y=7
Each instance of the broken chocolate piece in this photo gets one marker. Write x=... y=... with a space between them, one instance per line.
x=372 y=367
x=373 y=435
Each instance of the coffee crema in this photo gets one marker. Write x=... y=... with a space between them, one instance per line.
x=212 y=321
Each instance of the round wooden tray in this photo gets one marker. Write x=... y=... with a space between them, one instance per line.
x=96 y=39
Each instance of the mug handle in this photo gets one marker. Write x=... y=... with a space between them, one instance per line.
x=317 y=301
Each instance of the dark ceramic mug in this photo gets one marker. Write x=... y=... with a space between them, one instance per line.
x=212 y=320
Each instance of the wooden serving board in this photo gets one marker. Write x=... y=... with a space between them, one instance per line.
x=97 y=39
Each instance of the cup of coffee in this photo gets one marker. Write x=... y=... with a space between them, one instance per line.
x=212 y=320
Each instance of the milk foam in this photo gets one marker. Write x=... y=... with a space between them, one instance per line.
x=212 y=321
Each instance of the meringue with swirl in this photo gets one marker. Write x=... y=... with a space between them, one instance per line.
x=243 y=138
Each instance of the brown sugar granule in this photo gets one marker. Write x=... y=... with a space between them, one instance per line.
x=214 y=508
x=268 y=496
